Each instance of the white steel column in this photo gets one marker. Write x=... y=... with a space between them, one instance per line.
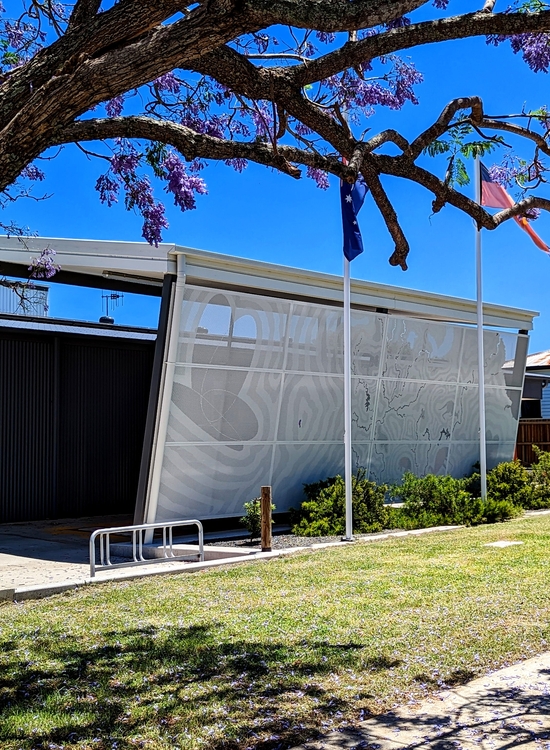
x=166 y=394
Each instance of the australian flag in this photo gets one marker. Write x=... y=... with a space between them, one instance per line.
x=352 y=197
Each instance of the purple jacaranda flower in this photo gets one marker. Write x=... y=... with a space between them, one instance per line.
x=125 y=162
x=44 y=266
x=262 y=118
x=213 y=126
x=534 y=48
x=366 y=33
x=181 y=184
x=238 y=164
x=197 y=165
x=406 y=76
x=504 y=174
x=320 y=177
x=154 y=223
x=532 y=213
x=107 y=189
x=302 y=129
x=115 y=106
x=15 y=35
x=326 y=37
x=399 y=23
x=31 y=172
x=139 y=193
x=238 y=128
x=168 y=82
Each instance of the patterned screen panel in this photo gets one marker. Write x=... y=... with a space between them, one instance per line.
x=257 y=399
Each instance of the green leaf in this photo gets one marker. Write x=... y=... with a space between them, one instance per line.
x=437 y=147
x=155 y=154
x=460 y=176
x=480 y=148
x=532 y=6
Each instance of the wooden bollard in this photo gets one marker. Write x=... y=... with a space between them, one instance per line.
x=265 y=504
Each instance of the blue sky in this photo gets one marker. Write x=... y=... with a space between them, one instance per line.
x=266 y=216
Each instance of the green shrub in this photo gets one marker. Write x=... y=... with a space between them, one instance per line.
x=436 y=500
x=427 y=501
x=252 y=519
x=510 y=481
x=494 y=511
x=400 y=518
x=540 y=480
x=323 y=511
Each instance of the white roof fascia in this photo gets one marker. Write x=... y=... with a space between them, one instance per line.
x=215 y=268
x=139 y=259
x=94 y=257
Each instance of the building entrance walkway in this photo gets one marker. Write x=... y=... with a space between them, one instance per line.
x=44 y=553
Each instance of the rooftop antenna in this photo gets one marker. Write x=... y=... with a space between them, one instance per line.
x=115 y=298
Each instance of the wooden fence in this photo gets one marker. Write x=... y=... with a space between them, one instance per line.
x=532 y=432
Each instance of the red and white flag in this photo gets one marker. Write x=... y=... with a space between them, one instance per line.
x=495 y=196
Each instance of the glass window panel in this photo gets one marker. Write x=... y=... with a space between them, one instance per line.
x=462 y=457
x=499 y=453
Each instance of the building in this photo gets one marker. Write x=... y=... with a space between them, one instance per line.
x=247 y=384
x=29 y=300
x=534 y=425
x=537 y=370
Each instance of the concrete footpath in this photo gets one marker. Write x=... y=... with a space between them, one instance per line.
x=509 y=708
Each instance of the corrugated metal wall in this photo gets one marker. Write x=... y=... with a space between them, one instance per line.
x=26 y=419
x=72 y=417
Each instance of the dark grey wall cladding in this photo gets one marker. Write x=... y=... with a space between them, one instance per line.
x=26 y=420
x=72 y=417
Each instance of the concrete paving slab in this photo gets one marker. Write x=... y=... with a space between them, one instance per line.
x=509 y=708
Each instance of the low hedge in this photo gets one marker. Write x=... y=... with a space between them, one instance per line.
x=425 y=501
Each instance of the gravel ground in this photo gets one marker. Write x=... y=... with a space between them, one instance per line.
x=282 y=541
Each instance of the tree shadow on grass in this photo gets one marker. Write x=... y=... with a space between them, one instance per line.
x=159 y=686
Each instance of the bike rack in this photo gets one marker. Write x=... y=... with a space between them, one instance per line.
x=137 y=545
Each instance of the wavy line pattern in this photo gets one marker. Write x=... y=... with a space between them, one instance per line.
x=258 y=399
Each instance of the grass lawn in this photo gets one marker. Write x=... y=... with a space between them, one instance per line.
x=269 y=654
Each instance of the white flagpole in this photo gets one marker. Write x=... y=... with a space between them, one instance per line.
x=480 y=353
x=347 y=402
x=347 y=385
